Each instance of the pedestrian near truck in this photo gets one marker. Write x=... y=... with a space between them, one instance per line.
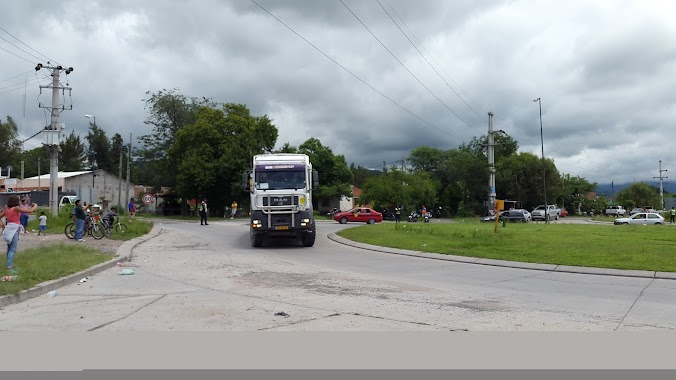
x=672 y=215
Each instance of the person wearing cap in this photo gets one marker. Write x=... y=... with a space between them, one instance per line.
x=203 y=213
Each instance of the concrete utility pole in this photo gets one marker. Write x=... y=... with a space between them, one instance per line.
x=119 y=186
x=491 y=162
x=544 y=171
x=39 y=187
x=661 y=189
x=127 y=197
x=53 y=132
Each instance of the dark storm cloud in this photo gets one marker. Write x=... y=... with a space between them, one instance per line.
x=602 y=70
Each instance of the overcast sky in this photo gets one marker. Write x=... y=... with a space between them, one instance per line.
x=604 y=70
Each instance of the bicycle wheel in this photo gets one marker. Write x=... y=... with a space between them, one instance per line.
x=70 y=230
x=97 y=232
x=121 y=228
x=107 y=229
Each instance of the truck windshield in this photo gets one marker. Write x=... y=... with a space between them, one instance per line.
x=280 y=179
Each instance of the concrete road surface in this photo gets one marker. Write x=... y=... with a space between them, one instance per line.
x=209 y=278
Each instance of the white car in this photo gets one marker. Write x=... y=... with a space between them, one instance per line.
x=642 y=218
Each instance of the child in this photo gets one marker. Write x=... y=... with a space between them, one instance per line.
x=43 y=224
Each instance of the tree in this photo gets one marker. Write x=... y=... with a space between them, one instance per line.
x=505 y=146
x=31 y=158
x=212 y=153
x=519 y=177
x=72 y=156
x=117 y=147
x=394 y=187
x=573 y=192
x=10 y=145
x=99 y=148
x=335 y=176
x=361 y=174
x=426 y=158
x=639 y=195
x=287 y=148
x=169 y=111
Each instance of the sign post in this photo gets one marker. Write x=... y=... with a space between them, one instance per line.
x=499 y=206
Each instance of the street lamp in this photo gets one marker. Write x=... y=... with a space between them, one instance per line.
x=544 y=176
x=88 y=116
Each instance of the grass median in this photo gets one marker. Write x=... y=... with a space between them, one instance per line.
x=650 y=248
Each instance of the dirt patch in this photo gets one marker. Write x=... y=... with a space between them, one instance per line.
x=33 y=240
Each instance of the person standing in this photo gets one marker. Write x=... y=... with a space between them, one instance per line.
x=42 y=230
x=203 y=213
x=12 y=229
x=80 y=217
x=131 y=207
x=233 y=208
x=397 y=214
x=672 y=215
x=25 y=204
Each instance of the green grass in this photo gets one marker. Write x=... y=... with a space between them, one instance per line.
x=56 y=225
x=602 y=246
x=46 y=263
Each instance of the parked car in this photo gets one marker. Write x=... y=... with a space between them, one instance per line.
x=490 y=218
x=359 y=214
x=517 y=215
x=564 y=213
x=615 y=211
x=636 y=210
x=551 y=210
x=641 y=218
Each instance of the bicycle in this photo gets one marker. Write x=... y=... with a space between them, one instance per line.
x=119 y=227
x=93 y=228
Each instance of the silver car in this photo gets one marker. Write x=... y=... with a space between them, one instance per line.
x=642 y=218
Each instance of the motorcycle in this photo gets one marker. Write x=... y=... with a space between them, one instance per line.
x=436 y=212
x=330 y=214
x=413 y=217
x=388 y=215
x=426 y=218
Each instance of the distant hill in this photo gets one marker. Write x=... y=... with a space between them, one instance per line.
x=606 y=189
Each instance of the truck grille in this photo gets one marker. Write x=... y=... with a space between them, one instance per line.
x=285 y=200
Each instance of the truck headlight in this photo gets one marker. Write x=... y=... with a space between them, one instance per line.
x=257 y=223
x=302 y=201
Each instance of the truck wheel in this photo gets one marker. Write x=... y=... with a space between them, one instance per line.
x=256 y=240
x=308 y=238
x=343 y=220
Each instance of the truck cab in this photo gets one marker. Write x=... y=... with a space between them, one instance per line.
x=280 y=187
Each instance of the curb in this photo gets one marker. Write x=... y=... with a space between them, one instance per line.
x=508 y=264
x=124 y=253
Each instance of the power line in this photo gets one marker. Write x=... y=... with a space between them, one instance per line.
x=426 y=60
x=38 y=58
x=16 y=55
x=409 y=71
x=31 y=82
x=16 y=76
x=430 y=54
x=1 y=28
x=350 y=72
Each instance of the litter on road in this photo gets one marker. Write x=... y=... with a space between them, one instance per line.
x=282 y=314
x=52 y=294
x=126 y=271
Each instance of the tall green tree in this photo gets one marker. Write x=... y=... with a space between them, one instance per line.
x=168 y=112
x=212 y=153
x=99 y=152
x=519 y=177
x=117 y=147
x=10 y=144
x=505 y=146
x=31 y=159
x=73 y=154
x=361 y=174
x=335 y=176
x=639 y=195
x=393 y=188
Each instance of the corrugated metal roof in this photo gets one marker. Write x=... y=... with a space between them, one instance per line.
x=61 y=175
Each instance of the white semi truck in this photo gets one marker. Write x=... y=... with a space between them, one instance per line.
x=280 y=187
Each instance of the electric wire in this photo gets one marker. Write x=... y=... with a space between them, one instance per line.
x=428 y=62
x=25 y=44
x=350 y=72
x=407 y=69
x=27 y=60
x=16 y=76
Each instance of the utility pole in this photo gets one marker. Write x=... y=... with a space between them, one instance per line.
x=119 y=186
x=661 y=188
x=491 y=163
x=39 y=187
x=128 y=159
x=544 y=171
x=53 y=132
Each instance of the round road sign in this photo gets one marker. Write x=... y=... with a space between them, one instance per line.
x=148 y=199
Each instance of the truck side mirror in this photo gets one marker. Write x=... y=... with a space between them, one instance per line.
x=245 y=181
x=315 y=179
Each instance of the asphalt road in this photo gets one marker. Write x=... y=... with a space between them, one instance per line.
x=208 y=278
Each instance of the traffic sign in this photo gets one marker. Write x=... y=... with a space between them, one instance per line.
x=148 y=198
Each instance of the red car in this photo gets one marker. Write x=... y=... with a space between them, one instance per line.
x=359 y=214
x=564 y=213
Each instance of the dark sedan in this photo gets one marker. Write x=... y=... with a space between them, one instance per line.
x=359 y=214
x=515 y=216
